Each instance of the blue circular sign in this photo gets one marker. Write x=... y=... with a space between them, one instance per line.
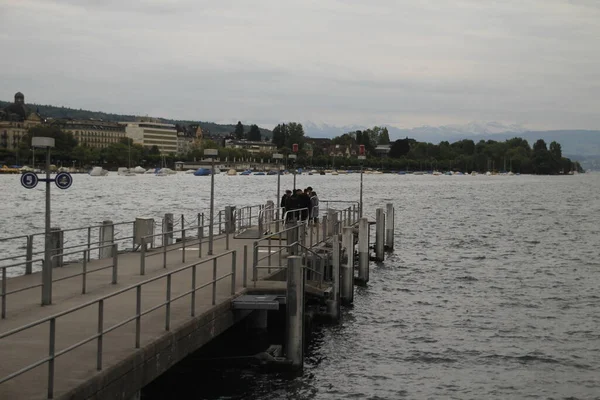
x=64 y=180
x=29 y=180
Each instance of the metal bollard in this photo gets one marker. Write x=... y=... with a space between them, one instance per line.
x=379 y=233
x=294 y=344
x=347 y=290
x=389 y=227
x=363 y=250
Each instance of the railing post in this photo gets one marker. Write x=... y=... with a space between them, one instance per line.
x=233 y=271
x=200 y=234
x=115 y=255
x=347 y=290
x=220 y=222
x=255 y=263
x=164 y=251
x=183 y=239
x=89 y=242
x=51 y=347
x=168 y=306
x=193 y=307
x=84 y=272
x=143 y=257
x=389 y=227
x=214 y=282
x=167 y=229
x=363 y=250
x=3 y=293
x=245 y=270
x=107 y=238
x=29 y=255
x=138 y=315
x=294 y=349
x=324 y=227
x=379 y=233
x=57 y=244
x=100 y=335
x=333 y=305
x=182 y=222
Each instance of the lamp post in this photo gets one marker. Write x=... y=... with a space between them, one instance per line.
x=278 y=156
x=47 y=143
x=212 y=153
x=360 y=208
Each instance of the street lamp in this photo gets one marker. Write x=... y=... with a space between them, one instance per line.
x=360 y=210
x=278 y=156
x=293 y=157
x=47 y=143
x=212 y=153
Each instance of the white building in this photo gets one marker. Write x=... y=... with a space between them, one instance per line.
x=149 y=134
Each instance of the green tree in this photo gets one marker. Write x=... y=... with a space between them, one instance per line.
x=384 y=137
x=239 y=131
x=295 y=135
x=64 y=142
x=400 y=148
x=254 y=134
x=280 y=135
x=556 y=150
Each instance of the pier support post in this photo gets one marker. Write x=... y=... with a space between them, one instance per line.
x=332 y=220
x=347 y=292
x=292 y=237
x=168 y=229
x=294 y=349
x=107 y=239
x=389 y=227
x=268 y=216
x=230 y=219
x=333 y=304
x=56 y=246
x=379 y=233
x=363 y=250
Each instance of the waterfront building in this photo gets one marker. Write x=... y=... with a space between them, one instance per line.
x=148 y=133
x=93 y=133
x=251 y=146
x=15 y=120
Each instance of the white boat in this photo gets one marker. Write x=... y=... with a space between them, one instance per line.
x=98 y=171
x=232 y=172
x=165 y=172
x=418 y=173
x=190 y=171
x=334 y=173
x=122 y=171
x=139 y=170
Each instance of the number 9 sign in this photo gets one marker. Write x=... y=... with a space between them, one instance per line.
x=29 y=180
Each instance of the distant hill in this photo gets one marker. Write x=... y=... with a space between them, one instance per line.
x=65 y=112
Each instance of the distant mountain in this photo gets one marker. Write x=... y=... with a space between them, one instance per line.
x=50 y=111
x=578 y=143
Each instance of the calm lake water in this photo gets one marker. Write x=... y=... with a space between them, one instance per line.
x=492 y=291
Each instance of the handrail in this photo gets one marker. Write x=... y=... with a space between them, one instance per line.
x=52 y=320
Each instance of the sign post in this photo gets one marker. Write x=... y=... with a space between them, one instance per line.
x=278 y=156
x=293 y=157
x=212 y=153
x=361 y=157
x=30 y=180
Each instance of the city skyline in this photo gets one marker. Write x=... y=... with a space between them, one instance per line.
x=335 y=62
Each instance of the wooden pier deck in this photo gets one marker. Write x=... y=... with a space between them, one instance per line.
x=124 y=367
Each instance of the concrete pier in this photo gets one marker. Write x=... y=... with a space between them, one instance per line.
x=347 y=291
x=379 y=234
x=107 y=238
x=363 y=250
x=389 y=227
x=294 y=340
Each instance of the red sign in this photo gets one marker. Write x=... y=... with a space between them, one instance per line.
x=361 y=150
x=295 y=147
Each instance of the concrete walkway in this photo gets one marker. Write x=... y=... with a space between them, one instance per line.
x=77 y=366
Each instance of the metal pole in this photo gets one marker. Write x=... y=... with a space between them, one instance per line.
x=212 y=207
x=294 y=349
x=379 y=233
x=333 y=304
x=347 y=290
x=360 y=211
x=363 y=250
x=47 y=268
x=278 y=196
x=389 y=227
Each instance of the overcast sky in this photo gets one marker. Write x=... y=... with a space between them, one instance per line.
x=400 y=62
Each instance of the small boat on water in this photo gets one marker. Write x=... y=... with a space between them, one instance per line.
x=190 y=171
x=259 y=173
x=334 y=173
x=202 y=172
x=98 y=171
x=139 y=170
x=122 y=171
x=232 y=172
x=9 y=170
x=246 y=173
x=165 y=172
x=272 y=172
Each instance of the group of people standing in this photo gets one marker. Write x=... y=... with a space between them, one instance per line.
x=305 y=201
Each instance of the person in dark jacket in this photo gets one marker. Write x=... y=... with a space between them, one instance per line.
x=305 y=204
x=292 y=203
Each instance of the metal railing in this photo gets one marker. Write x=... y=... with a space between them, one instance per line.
x=53 y=353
